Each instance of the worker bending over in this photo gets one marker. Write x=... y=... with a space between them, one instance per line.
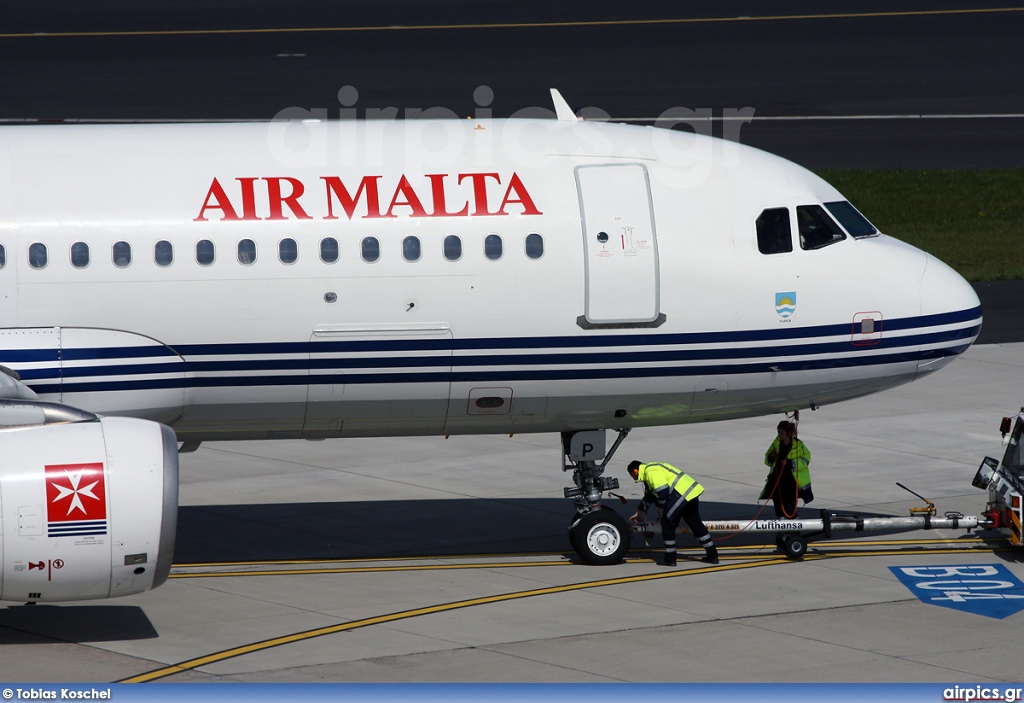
x=676 y=495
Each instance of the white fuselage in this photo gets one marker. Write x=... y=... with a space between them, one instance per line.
x=645 y=300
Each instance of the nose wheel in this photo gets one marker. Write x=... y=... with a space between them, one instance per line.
x=600 y=537
x=597 y=533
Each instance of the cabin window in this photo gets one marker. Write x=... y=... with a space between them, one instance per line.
x=205 y=252
x=411 y=249
x=817 y=229
x=534 y=245
x=492 y=247
x=122 y=254
x=287 y=251
x=37 y=255
x=851 y=220
x=328 y=250
x=79 y=255
x=452 y=248
x=246 y=252
x=163 y=253
x=774 y=235
x=3 y=256
x=370 y=249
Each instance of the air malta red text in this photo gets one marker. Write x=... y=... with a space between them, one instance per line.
x=432 y=195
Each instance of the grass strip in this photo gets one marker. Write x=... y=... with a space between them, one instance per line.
x=972 y=220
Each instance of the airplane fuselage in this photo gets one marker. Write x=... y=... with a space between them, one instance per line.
x=443 y=278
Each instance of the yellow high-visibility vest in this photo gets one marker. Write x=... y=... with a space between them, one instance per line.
x=656 y=476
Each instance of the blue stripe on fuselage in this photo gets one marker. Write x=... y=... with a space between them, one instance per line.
x=779 y=355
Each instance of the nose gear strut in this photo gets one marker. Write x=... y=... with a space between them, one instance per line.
x=597 y=533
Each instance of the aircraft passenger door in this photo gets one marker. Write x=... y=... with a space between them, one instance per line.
x=10 y=243
x=367 y=380
x=620 y=245
x=8 y=285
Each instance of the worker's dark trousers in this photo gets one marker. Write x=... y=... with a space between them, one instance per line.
x=785 y=495
x=689 y=512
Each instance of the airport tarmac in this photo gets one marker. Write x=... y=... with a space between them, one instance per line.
x=447 y=560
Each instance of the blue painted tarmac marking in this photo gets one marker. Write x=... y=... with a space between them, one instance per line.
x=983 y=589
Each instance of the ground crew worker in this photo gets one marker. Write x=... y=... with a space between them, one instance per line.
x=790 y=475
x=676 y=495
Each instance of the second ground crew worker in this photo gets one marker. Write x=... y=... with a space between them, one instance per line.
x=676 y=495
x=790 y=475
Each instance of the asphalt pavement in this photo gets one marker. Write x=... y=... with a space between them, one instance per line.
x=940 y=86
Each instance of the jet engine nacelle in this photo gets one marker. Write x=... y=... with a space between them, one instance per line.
x=88 y=505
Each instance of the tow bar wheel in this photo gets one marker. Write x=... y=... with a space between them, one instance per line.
x=600 y=537
x=794 y=546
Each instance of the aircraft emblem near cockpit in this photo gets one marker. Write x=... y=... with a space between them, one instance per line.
x=785 y=304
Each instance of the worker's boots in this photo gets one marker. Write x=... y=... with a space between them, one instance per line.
x=712 y=556
x=668 y=560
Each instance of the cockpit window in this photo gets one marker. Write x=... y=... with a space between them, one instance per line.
x=817 y=229
x=774 y=235
x=854 y=222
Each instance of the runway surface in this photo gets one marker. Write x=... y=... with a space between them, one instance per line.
x=408 y=560
x=863 y=84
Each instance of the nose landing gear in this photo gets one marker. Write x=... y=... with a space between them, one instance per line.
x=597 y=533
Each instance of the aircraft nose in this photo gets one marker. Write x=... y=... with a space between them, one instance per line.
x=951 y=306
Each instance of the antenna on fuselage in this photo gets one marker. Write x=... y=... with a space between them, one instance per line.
x=562 y=109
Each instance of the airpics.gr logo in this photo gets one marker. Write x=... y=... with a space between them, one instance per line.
x=785 y=304
x=76 y=500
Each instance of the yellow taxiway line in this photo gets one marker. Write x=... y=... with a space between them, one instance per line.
x=754 y=562
x=510 y=25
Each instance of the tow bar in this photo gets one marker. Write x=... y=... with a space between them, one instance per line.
x=793 y=535
x=793 y=540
